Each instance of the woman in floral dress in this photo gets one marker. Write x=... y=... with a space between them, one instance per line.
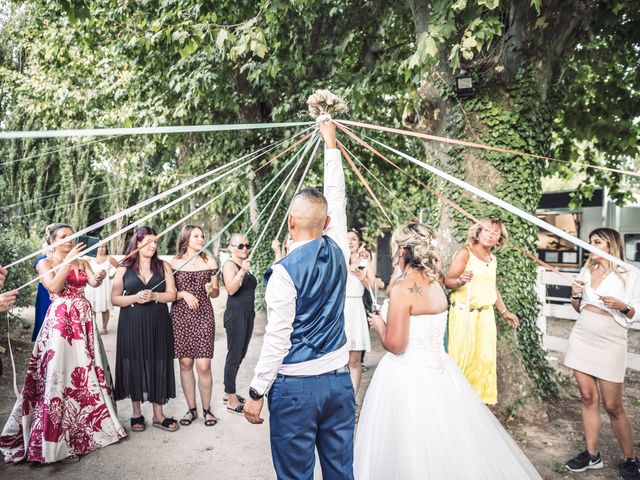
x=66 y=406
x=193 y=320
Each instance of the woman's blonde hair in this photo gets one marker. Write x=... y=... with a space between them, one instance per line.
x=616 y=248
x=476 y=228
x=420 y=252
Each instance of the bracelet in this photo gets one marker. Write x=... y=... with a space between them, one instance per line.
x=502 y=312
x=576 y=297
x=458 y=282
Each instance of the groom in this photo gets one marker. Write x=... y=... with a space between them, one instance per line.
x=303 y=363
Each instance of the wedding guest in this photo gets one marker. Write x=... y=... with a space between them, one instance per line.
x=278 y=252
x=43 y=299
x=100 y=297
x=472 y=324
x=607 y=297
x=66 y=408
x=370 y=294
x=359 y=278
x=144 y=348
x=196 y=277
x=419 y=412
x=238 y=316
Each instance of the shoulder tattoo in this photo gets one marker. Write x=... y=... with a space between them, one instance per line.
x=415 y=288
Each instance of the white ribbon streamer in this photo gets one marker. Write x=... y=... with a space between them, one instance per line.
x=232 y=221
x=96 y=132
x=510 y=208
x=153 y=199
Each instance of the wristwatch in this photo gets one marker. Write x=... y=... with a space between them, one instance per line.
x=626 y=310
x=253 y=393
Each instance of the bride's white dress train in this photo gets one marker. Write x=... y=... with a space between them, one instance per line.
x=421 y=419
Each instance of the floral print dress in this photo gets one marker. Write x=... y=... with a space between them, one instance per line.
x=66 y=406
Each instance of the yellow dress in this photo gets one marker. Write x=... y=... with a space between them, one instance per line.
x=472 y=328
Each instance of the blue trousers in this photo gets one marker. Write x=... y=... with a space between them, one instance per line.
x=307 y=412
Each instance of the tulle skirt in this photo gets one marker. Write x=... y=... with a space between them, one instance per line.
x=421 y=421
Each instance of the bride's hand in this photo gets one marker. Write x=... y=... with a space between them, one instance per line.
x=376 y=322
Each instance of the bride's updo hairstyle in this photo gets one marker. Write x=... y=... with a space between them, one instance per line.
x=419 y=250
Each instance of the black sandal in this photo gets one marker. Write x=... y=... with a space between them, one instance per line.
x=194 y=414
x=241 y=399
x=166 y=424
x=138 y=421
x=209 y=422
x=239 y=409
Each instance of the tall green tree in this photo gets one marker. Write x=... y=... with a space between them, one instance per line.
x=545 y=73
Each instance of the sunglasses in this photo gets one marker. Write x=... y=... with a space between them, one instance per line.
x=242 y=246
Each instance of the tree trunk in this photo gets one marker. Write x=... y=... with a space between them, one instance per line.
x=512 y=108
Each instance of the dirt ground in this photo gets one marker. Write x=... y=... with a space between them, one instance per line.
x=234 y=448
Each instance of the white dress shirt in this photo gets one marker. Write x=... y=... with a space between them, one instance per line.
x=624 y=287
x=281 y=294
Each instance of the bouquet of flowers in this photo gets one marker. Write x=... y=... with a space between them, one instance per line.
x=323 y=101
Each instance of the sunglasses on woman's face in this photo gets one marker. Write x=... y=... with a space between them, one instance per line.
x=242 y=246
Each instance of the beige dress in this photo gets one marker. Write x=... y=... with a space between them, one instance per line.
x=598 y=343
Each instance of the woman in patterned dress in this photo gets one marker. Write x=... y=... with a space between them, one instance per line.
x=66 y=407
x=193 y=320
x=472 y=323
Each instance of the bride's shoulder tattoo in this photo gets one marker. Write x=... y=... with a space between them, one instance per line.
x=415 y=288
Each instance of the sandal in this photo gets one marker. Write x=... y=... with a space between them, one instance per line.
x=239 y=409
x=188 y=421
x=138 y=421
x=241 y=399
x=166 y=424
x=211 y=421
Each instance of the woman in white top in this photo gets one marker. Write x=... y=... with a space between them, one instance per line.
x=608 y=300
x=100 y=296
x=355 y=317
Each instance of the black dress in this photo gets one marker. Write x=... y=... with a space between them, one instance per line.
x=144 y=351
x=238 y=323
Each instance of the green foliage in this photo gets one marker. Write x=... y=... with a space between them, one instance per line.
x=13 y=247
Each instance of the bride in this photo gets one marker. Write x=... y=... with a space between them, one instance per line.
x=420 y=418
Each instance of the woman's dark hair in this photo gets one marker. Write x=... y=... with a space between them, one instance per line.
x=157 y=266
x=53 y=229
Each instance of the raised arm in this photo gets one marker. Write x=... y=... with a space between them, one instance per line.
x=334 y=188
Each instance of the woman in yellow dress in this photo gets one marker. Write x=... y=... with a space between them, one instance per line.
x=472 y=323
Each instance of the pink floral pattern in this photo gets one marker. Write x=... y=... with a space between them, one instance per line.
x=66 y=401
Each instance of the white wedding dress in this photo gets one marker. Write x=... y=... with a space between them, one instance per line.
x=421 y=419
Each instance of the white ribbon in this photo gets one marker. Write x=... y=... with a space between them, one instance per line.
x=153 y=199
x=509 y=207
x=96 y=132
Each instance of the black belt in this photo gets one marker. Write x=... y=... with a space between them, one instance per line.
x=337 y=371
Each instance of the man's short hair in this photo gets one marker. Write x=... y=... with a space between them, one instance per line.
x=313 y=195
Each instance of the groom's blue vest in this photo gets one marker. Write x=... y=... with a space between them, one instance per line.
x=319 y=273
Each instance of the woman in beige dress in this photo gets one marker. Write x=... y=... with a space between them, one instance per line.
x=608 y=300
